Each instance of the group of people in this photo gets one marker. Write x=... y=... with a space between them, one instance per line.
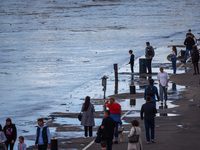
x=149 y=54
x=110 y=123
x=191 y=47
x=8 y=136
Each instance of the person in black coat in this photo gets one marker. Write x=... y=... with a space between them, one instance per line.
x=195 y=60
x=10 y=133
x=147 y=113
x=189 y=43
x=108 y=128
x=131 y=60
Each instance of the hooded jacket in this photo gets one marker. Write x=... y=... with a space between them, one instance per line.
x=10 y=132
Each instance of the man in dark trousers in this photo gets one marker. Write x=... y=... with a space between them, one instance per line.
x=42 y=138
x=189 y=42
x=131 y=60
x=149 y=54
x=149 y=111
x=152 y=92
x=108 y=127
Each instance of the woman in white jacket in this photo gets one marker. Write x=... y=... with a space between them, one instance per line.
x=135 y=146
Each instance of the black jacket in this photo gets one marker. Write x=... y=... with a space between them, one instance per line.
x=132 y=60
x=189 y=42
x=109 y=126
x=10 y=132
x=149 y=111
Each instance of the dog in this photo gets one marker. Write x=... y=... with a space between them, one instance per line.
x=120 y=133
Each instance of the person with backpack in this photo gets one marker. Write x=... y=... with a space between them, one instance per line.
x=42 y=138
x=149 y=54
x=163 y=79
x=152 y=92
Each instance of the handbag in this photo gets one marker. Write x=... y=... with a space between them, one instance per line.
x=134 y=138
x=80 y=116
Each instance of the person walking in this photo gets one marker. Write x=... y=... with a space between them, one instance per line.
x=2 y=139
x=10 y=133
x=21 y=144
x=115 y=114
x=152 y=92
x=189 y=42
x=88 y=118
x=135 y=129
x=42 y=138
x=195 y=60
x=149 y=54
x=163 y=79
x=173 y=55
x=131 y=60
x=108 y=126
x=148 y=112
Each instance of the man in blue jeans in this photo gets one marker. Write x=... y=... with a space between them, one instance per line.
x=189 y=42
x=149 y=111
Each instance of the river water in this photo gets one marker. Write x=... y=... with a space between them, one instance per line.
x=55 y=52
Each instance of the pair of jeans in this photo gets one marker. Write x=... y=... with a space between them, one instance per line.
x=86 y=131
x=149 y=124
x=174 y=65
x=163 y=91
x=116 y=118
x=9 y=143
x=186 y=53
x=148 y=65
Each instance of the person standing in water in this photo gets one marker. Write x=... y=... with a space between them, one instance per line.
x=149 y=54
x=131 y=60
x=173 y=58
x=163 y=79
x=88 y=116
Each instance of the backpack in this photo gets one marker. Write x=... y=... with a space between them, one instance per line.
x=150 y=91
x=149 y=51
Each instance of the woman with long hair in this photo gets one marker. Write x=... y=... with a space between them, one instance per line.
x=195 y=60
x=88 y=117
x=115 y=114
x=135 y=129
x=173 y=58
x=10 y=133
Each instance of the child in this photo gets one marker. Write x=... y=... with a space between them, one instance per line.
x=131 y=60
x=2 y=139
x=21 y=145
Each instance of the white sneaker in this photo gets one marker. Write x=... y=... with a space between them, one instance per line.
x=152 y=140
